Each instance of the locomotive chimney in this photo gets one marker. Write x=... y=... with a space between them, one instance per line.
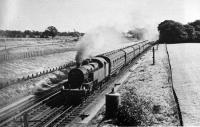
x=78 y=64
x=86 y=62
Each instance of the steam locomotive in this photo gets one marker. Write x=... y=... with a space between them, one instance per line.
x=93 y=72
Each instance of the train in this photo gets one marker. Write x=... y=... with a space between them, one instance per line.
x=93 y=72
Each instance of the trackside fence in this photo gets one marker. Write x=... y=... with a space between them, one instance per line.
x=31 y=76
x=11 y=56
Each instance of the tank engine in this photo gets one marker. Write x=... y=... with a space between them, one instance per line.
x=85 y=79
x=91 y=72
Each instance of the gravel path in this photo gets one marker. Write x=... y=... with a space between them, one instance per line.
x=185 y=62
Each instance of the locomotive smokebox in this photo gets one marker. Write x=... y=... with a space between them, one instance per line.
x=113 y=102
x=75 y=78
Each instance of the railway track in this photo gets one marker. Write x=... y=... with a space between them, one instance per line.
x=68 y=115
x=49 y=110
x=107 y=86
x=30 y=105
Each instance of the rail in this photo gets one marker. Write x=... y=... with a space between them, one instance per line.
x=26 y=106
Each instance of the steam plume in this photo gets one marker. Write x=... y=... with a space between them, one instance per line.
x=99 y=40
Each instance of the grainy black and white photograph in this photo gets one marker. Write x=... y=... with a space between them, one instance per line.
x=99 y=63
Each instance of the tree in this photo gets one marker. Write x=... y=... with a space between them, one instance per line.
x=51 y=31
x=197 y=36
x=28 y=33
x=172 y=32
x=14 y=34
x=45 y=34
x=190 y=31
x=36 y=33
x=196 y=25
x=2 y=33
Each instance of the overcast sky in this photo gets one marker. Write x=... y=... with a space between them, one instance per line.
x=83 y=15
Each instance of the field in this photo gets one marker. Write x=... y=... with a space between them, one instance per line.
x=19 y=68
x=31 y=56
x=16 y=49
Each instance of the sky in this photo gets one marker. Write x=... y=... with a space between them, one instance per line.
x=83 y=15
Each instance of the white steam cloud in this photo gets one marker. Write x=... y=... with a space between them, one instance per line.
x=100 y=40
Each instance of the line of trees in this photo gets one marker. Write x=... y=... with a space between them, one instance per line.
x=174 y=32
x=50 y=31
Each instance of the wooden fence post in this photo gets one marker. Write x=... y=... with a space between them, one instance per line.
x=153 y=50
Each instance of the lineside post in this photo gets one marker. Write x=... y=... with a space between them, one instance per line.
x=153 y=50
x=25 y=116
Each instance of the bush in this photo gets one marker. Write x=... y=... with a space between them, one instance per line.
x=132 y=109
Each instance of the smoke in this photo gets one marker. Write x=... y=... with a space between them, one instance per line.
x=151 y=33
x=99 y=40
x=103 y=39
x=143 y=23
x=145 y=32
x=138 y=33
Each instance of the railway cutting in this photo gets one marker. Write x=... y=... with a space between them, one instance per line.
x=60 y=106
